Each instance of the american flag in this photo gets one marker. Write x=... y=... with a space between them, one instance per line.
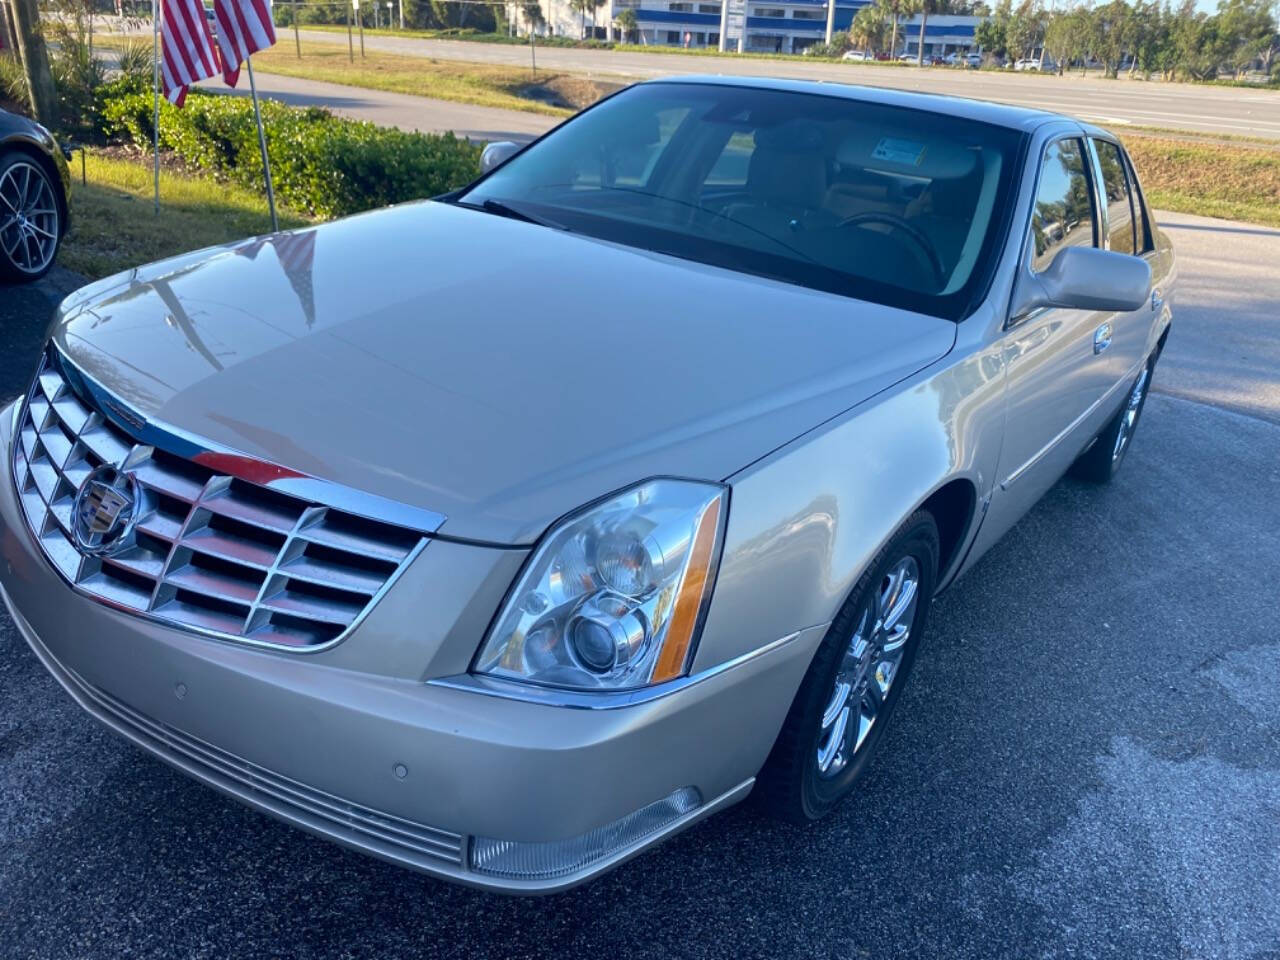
x=244 y=27
x=296 y=254
x=186 y=50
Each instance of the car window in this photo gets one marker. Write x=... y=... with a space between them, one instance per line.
x=1115 y=188
x=1063 y=214
x=1145 y=231
x=884 y=203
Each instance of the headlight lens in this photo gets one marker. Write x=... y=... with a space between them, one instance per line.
x=613 y=598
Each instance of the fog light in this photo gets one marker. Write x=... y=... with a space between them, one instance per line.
x=558 y=858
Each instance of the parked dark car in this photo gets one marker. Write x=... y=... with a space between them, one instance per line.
x=34 y=190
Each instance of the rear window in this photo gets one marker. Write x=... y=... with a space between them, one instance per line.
x=894 y=205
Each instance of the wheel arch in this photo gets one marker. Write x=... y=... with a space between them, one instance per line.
x=953 y=506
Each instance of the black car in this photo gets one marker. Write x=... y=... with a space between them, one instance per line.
x=34 y=189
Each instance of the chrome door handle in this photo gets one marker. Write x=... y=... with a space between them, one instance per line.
x=1102 y=338
x=1157 y=301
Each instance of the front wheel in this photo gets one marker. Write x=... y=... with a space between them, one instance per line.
x=844 y=703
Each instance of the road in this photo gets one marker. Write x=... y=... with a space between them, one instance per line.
x=398 y=109
x=1115 y=103
x=1085 y=764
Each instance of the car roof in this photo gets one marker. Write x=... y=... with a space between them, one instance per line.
x=1025 y=119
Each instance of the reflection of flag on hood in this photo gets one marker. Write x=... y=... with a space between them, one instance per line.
x=186 y=52
x=296 y=254
x=244 y=27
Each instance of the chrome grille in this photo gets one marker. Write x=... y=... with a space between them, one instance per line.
x=394 y=836
x=213 y=552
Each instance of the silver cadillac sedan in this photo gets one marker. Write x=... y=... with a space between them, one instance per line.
x=504 y=535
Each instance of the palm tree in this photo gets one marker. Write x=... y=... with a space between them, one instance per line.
x=925 y=7
x=867 y=29
x=894 y=10
x=625 y=20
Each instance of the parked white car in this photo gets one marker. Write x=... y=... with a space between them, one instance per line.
x=859 y=55
x=509 y=581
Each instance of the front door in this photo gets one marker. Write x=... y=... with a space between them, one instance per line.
x=1058 y=371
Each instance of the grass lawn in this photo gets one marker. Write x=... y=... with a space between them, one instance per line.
x=114 y=227
x=1232 y=181
x=511 y=88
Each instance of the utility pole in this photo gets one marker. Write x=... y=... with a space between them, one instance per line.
x=297 y=40
x=723 y=45
x=35 y=61
x=831 y=21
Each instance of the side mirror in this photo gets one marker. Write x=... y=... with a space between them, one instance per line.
x=497 y=153
x=1084 y=278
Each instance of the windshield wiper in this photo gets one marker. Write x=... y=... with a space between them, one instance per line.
x=503 y=209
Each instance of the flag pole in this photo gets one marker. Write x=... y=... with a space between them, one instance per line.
x=155 y=91
x=262 y=144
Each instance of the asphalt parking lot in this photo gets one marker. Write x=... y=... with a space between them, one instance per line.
x=1086 y=762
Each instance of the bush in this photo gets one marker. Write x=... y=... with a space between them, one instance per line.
x=77 y=74
x=840 y=45
x=320 y=163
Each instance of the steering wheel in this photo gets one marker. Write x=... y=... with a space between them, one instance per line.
x=902 y=226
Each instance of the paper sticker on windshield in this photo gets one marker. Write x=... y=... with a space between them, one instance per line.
x=908 y=153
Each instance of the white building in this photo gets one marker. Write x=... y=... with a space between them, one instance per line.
x=774 y=26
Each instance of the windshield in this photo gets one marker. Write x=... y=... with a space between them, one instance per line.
x=883 y=203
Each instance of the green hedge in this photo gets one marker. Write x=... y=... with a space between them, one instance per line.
x=326 y=165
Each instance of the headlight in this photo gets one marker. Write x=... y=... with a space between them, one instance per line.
x=614 y=596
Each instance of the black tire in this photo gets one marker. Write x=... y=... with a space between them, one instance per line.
x=32 y=217
x=1102 y=460
x=790 y=785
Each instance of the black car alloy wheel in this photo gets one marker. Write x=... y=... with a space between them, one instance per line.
x=30 y=219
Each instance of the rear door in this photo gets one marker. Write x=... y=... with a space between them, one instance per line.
x=1125 y=231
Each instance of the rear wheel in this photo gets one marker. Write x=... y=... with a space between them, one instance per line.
x=843 y=705
x=1102 y=460
x=30 y=218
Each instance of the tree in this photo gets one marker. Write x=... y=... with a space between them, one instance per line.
x=1245 y=29
x=1195 y=44
x=925 y=7
x=894 y=10
x=532 y=15
x=1061 y=41
x=35 y=61
x=868 y=28
x=992 y=34
x=1025 y=30
x=8 y=38
x=583 y=7
x=625 y=20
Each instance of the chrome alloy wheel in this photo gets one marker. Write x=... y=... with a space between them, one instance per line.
x=1129 y=418
x=870 y=665
x=28 y=217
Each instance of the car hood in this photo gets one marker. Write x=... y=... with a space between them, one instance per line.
x=490 y=370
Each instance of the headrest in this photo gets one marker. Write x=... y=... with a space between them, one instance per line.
x=791 y=136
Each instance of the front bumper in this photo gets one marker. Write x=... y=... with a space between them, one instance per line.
x=388 y=765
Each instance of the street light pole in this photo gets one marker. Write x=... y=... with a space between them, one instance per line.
x=831 y=20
